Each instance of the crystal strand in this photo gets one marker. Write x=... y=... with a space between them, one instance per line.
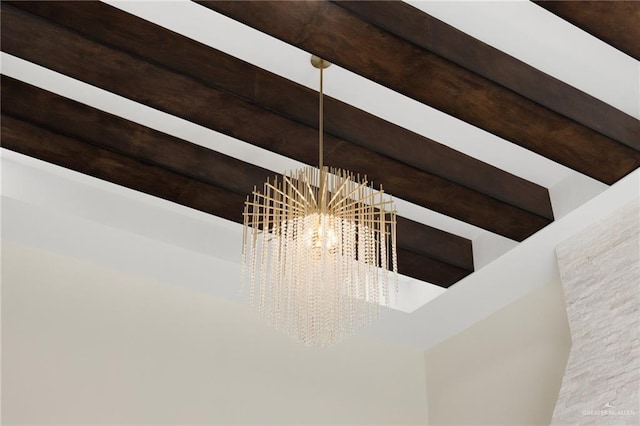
x=254 y=245
x=263 y=274
x=281 y=277
x=351 y=258
x=394 y=255
x=245 y=226
x=384 y=264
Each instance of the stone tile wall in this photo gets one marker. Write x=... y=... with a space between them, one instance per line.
x=600 y=272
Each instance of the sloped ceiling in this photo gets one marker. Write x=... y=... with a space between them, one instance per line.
x=406 y=54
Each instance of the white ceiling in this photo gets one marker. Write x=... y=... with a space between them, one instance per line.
x=81 y=216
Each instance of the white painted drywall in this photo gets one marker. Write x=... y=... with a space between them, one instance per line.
x=504 y=370
x=85 y=344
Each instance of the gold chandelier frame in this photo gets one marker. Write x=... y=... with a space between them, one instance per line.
x=319 y=249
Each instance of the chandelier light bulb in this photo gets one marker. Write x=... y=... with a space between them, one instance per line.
x=322 y=233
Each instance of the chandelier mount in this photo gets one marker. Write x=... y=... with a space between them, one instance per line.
x=319 y=63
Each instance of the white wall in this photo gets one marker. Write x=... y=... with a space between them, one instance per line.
x=83 y=344
x=504 y=370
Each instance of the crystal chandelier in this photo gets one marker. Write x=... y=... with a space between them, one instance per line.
x=319 y=250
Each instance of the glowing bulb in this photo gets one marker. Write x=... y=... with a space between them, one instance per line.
x=320 y=232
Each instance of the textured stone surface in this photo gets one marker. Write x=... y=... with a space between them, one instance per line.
x=600 y=272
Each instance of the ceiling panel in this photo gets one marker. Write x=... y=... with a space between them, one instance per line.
x=390 y=43
x=42 y=42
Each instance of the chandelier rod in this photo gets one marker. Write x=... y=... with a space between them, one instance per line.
x=321 y=64
x=321 y=137
x=321 y=127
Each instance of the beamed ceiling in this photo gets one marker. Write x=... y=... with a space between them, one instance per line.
x=393 y=44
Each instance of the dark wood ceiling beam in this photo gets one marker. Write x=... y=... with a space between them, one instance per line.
x=340 y=37
x=428 y=269
x=230 y=177
x=614 y=22
x=216 y=69
x=413 y=25
x=65 y=51
x=434 y=243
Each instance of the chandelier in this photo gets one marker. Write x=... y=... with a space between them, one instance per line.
x=319 y=250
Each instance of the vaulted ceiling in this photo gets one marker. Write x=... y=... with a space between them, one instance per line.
x=393 y=44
